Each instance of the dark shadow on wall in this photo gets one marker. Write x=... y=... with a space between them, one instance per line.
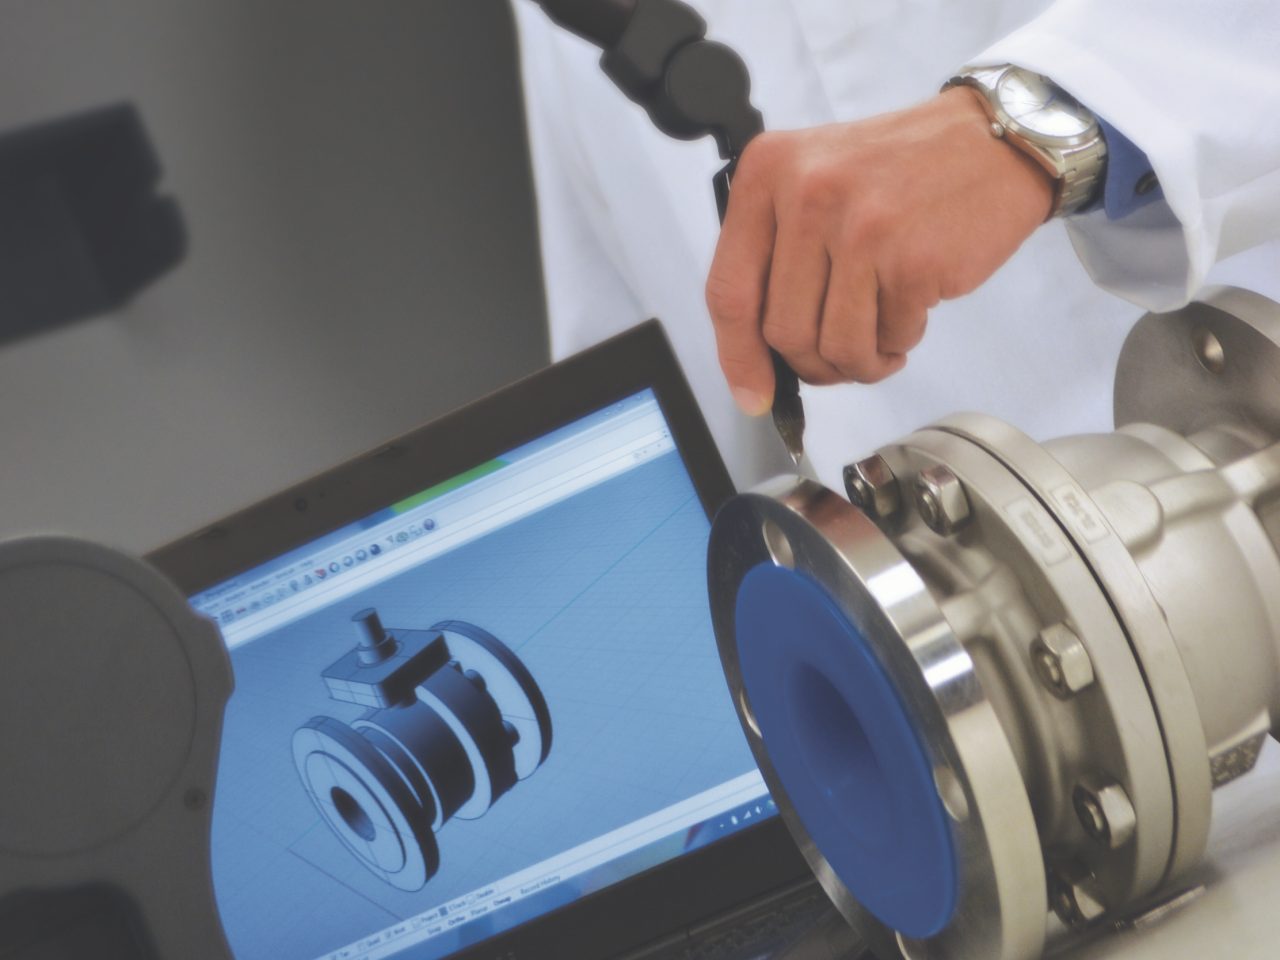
x=362 y=250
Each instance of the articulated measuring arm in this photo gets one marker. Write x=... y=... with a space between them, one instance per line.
x=657 y=52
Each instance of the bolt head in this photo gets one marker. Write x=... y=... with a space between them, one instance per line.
x=1075 y=897
x=1061 y=661
x=1089 y=810
x=872 y=487
x=1105 y=811
x=942 y=501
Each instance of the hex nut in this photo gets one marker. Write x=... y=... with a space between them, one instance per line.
x=941 y=499
x=1105 y=811
x=1074 y=896
x=1061 y=661
x=872 y=487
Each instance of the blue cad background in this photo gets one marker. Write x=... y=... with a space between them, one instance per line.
x=604 y=598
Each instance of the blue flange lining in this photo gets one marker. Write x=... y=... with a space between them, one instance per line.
x=848 y=755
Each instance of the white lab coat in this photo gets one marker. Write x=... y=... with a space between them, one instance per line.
x=628 y=222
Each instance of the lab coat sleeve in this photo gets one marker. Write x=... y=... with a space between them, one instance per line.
x=583 y=283
x=1196 y=86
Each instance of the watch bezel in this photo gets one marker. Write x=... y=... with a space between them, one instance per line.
x=1076 y=162
x=1012 y=125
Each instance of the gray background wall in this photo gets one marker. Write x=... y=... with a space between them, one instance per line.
x=363 y=250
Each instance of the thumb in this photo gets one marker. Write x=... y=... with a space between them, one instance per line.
x=749 y=370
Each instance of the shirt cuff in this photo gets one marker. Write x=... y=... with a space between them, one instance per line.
x=1130 y=182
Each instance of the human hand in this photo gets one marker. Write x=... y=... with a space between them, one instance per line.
x=839 y=239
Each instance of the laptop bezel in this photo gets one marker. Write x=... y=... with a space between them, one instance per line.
x=668 y=899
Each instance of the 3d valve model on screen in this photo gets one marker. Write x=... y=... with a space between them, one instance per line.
x=455 y=719
x=1008 y=676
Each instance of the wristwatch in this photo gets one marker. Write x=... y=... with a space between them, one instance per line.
x=1047 y=124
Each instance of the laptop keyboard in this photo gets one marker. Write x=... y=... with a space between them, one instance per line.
x=797 y=923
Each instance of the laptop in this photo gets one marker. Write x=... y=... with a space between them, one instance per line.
x=478 y=710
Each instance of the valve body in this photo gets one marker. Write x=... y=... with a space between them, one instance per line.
x=1017 y=671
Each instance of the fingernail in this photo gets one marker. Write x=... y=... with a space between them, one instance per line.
x=750 y=402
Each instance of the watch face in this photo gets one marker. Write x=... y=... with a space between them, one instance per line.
x=1039 y=107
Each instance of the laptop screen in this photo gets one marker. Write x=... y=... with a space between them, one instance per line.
x=476 y=705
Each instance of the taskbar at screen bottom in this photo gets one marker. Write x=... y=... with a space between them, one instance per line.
x=664 y=836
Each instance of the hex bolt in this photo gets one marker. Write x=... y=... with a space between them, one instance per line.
x=872 y=487
x=512 y=732
x=1074 y=896
x=1105 y=811
x=1061 y=661
x=940 y=497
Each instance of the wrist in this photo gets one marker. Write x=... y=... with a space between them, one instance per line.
x=1024 y=183
x=1034 y=115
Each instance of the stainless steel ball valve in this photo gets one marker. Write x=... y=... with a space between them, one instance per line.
x=1007 y=677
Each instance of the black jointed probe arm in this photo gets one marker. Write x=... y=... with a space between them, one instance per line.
x=658 y=54
x=600 y=21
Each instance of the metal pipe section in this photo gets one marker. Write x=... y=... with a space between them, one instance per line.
x=1006 y=674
